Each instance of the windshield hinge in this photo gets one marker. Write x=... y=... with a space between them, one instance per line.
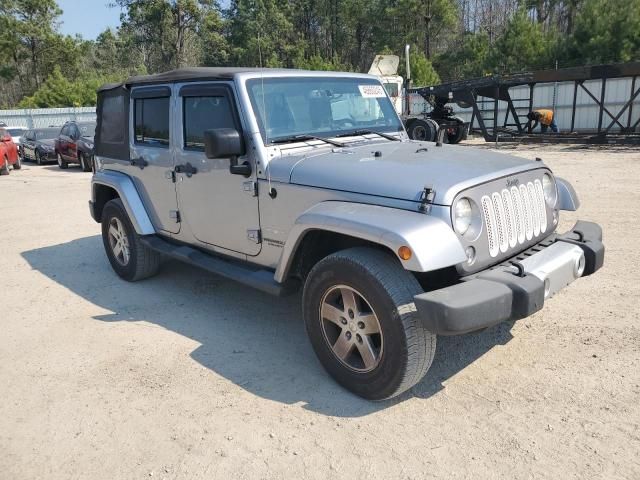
x=254 y=236
x=250 y=187
x=174 y=215
x=426 y=199
x=170 y=175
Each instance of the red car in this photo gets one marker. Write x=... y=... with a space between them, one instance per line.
x=8 y=153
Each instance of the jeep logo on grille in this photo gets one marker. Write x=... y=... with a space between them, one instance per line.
x=514 y=182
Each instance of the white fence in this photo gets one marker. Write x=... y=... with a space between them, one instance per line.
x=47 y=117
x=618 y=92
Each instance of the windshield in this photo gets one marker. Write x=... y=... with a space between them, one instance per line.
x=87 y=129
x=320 y=106
x=46 y=133
x=15 y=132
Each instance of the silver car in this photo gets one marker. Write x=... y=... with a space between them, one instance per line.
x=290 y=180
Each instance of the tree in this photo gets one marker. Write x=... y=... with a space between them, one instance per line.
x=605 y=31
x=422 y=71
x=522 y=46
x=467 y=59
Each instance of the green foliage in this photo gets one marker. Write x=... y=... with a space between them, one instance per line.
x=468 y=58
x=450 y=39
x=422 y=71
x=58 y=91
x=522 y=46
x=606 y=31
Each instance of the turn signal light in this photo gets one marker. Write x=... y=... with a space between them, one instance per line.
x=404 y=253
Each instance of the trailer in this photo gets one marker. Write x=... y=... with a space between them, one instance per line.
x=483 y=97
x=439 y=123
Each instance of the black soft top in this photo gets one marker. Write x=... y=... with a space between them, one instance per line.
x=187 y=75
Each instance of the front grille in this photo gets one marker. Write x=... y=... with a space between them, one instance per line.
x=514 y=216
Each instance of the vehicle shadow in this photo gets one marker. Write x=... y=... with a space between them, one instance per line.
x=252 y=339
x=54 y=167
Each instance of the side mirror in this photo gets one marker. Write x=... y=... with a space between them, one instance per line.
x=223 y=143
x=227 y=143
x=6 y=138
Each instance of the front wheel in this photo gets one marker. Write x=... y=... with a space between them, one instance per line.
x=18 y=164
x=423 y=130
x=5 y=167
x=38 y=158
x=363 y=325
x=85 y=164
x=61 y=163
x=129 y=257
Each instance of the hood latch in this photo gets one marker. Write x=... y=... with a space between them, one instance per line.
x=426 y=199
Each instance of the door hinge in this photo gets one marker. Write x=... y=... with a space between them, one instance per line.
x=254 y=235
x=426 y=199
x=175 y=215
x=170 y=175
x=250 y=187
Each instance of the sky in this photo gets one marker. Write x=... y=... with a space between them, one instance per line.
x=91 y=17
x=87 y=17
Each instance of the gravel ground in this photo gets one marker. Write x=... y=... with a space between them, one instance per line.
x=187 y=375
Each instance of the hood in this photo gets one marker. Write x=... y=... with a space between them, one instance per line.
x=48 y=141
x=87 y=138
x=399 y=170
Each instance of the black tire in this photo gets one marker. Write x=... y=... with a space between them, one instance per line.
x=38 y=158
x=423 y=130
x=5 y=170
x=18 y=164
x=455 y=135
x=61 y=162
x=405 y=347
x=142 y=262
x=85 y=164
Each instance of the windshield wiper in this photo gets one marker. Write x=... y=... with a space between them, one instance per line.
x=303 y=137
x=369 y=132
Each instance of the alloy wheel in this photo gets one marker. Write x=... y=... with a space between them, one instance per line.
x=351 y=328
x=119 y=242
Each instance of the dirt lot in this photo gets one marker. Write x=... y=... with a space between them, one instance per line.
x=187 y=375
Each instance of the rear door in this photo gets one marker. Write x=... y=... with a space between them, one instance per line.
x=151 y=154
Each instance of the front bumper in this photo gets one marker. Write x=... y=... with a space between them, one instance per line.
x=516 y=288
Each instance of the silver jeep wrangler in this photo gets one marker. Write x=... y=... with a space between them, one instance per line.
x=286 y=180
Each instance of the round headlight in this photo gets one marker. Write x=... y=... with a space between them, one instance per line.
x=550 y=191
x=462 y=215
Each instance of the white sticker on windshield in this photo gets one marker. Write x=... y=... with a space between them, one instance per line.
x=372 y=91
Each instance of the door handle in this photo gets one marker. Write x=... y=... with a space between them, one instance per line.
x=139 y=162
x=187 y=169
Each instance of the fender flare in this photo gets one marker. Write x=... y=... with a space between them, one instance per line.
x=433 y=243
x=126 y=190
x=567 y=197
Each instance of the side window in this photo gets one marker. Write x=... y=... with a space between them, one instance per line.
x=205 y=113
x=152 y=121
x=65 y=130
x=74 y=132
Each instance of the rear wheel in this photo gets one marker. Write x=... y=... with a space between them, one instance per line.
x=61 y=163
x=455 y=134
x=424 y=130
x=130 y=259
x=84 y=162
x=5 y=167
x=363 y=325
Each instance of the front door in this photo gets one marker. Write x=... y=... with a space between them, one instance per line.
x=152 y=164
x=220 y=208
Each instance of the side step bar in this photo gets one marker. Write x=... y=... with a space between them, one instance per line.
x=259 y=279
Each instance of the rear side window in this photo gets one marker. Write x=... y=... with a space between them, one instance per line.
x=152 y=121
x=205 y=113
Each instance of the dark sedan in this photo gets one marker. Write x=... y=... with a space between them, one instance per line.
x=38 y=145
x=74 y=144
